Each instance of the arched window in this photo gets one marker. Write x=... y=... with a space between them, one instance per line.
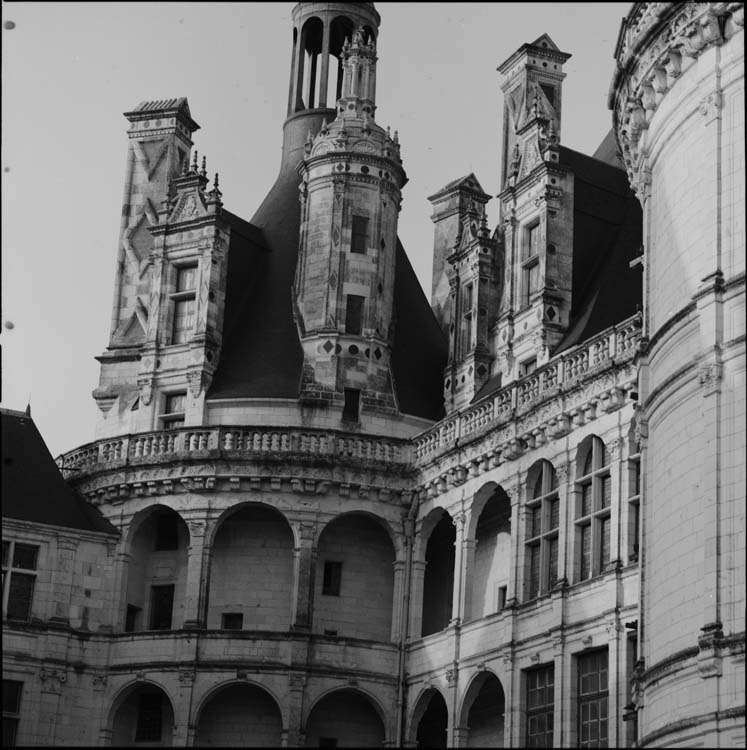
x=593 y=501
x=542 y=525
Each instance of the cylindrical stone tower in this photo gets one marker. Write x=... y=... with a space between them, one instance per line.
x=678 y=103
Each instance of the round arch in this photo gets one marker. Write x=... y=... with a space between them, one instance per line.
x=247 y=711
x=346 y=714
x=251 y=569
x=483 y=709
x=225 y=514
x=141 y=516
x=128 y=710
x=591 y=447
x=425 y=528
x=355 y=554
x=479 y=501
x=367 y=514
x=436 y=716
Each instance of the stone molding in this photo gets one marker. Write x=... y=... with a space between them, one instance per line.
x=654 y=39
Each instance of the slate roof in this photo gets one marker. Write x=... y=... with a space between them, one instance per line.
x=32 y=486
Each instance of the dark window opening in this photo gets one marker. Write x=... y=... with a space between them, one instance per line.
x=354 y=314
x=332 y=578
x=501 y=603
x=149 y=718
x=20 y=596
x=232 y=621
x=167 y=532
x=161 y=607
x=351 y=410
x=11 y=710
x=329 y=632
x=328 y=742
x=359 y=237
x=131 y=618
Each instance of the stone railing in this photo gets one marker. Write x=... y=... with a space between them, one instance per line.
x=614 y=345
x=198 y=442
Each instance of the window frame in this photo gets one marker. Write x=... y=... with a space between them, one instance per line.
x=12 y=571
x=180 y=297
x=152 y=624
x=332 y=578
x=540 y=541
x=545 y=709
x=599 y=697
x=634 y=505
x=593 y=524
x=144 y=733
x=353 y=315
x=173 y=420
x=359 y=241
x=530 y=263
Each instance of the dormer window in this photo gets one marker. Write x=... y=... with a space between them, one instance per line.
x=174 y=409
x=184 y=299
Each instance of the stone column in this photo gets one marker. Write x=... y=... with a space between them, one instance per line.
x=304 y=569
x=121 y=577
x=460 y=736
x=616 y=501
x=416 y=599
x=198 y=556
x=468 y=570
x=457 y=611
x=513 y=589
x=295 y=734
x=398 y=597
x=616 y=684
x=184 y=730
x=565 y=497
x=325 y=66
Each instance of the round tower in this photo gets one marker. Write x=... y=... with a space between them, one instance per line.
x=678 y=111
x=351 y=181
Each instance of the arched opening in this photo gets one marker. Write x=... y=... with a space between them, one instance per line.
x=157 y=571
x=312 y=36
x=240 y=715
x=341 y=28
x=144 y=718
x=492 y=555
x=438 y=586
x=485 y=707
x=251 y=572
x=431 y=719
x=354 y=583
x=344 y=718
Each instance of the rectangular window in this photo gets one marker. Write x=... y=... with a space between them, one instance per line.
x=585 y=546
x=604 y=542
x=161 y=606
x=351 y=409
x=185 y=304
x=132 y=621
x=11 y=710
x=531 y=248
x=531 y=281
x=174 y=409
x=501 y=598
x=359 y=237
x=528 y=367
x=634 y=506
x=592 y=699
x=534 y=570
x=540 y=703
x=332 y=578
x=552 y=562
x=149 y=718
x=19 y=579
x=232 y=621
x=354 y=314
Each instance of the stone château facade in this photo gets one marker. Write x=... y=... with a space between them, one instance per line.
x=321 y=512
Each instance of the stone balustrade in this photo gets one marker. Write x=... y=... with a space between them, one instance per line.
x=614 y=345
x=233 y=442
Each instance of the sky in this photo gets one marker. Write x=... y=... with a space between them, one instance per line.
x=69 y=71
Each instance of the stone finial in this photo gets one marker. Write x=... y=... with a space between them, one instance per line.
x=552 y=134
x=203 y=171
x=194 y=161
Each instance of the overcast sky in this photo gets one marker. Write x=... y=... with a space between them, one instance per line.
x=69 y=71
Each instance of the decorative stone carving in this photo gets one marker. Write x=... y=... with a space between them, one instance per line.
x=710 y=106
x=709 y=377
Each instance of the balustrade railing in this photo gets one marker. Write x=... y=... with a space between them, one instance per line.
x=618 y=342
x=142 y=448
